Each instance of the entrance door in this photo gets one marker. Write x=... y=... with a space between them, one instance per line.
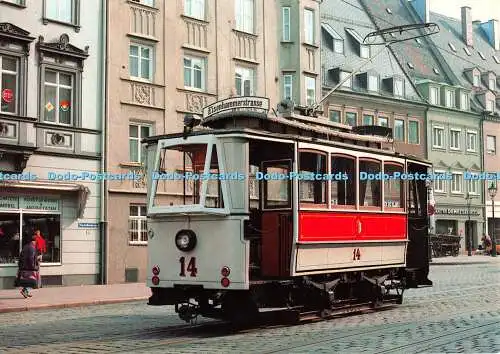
x=417 y=256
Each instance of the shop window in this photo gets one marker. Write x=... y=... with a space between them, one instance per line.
x=50 y=230
x=393 y=188
x=312 y=184
x=138 y=225
x=343 y=192
x=10 y=238
x=369 y=188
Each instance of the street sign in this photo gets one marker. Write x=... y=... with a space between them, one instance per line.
x=237 y=104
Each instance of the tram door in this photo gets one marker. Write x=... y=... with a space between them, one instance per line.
x=270 y=228
x=417 y=258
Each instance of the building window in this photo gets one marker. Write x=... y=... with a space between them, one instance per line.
x=61 y=10
x=364 y=51
x=399 y=88
x=372 y=83
x=413 y=132
x=351 y=118
x=464 y=101
x=141 y=62
x=367 y=119
x=455 y=139
x=491 y=144
x=456 y=182
x=310 y=90
x=490 y=106
x=434 y=95
x=439 y=182
x=343 y=76
x=138 y=224
x=471 y=141
x=492 y=85
x=309 y=26
x=287 y=87
x=476 y=80
x=137 y=132
x=383 y=122
x=335 y=116
x=194 y=73
x=337 y=40
x=59 y=97
x=9 y=84
x=286 y=24
x=399 y=130
x=245 y=15
x=472 y=185
x=438 y=137
x=194 y=8
x=244 y=81
x=450 y=99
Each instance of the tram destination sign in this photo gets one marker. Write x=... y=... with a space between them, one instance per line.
x=237 y=104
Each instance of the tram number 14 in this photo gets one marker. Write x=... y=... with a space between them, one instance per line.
x=356 y=254
x=191 y=267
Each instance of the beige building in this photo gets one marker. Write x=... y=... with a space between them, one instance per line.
x=171 y=58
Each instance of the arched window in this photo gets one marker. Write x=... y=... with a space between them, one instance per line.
x=343 y=180
x=312 y=181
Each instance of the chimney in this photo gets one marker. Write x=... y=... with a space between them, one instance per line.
x=467 y=26
x=492 y=31
x=421 y=7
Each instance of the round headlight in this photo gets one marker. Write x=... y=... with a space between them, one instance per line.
x=185 y=240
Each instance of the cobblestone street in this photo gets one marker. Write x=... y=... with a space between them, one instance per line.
x=461 y=313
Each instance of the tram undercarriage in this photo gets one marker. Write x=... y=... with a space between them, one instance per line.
x=323 y=296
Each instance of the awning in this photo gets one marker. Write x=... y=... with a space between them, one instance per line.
x=82 y=191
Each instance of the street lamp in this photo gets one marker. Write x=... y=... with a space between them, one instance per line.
x=468 y=234
x=492 y=191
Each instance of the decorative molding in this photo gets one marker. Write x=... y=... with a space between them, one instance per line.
x=195 y=102
x=142 y=94
x=143 y=20
x=12 y=33
x=245 y=46
x=62 y=48
x=196 y=33
x=8 y=130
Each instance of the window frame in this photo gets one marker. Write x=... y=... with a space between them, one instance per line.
x=347 y=83
x=243 y=71
x=339 y=115
x=152 y=61
x=58 y=86
x=372 y=116
x=449 y=98
x=476 y=80
x=307 y=80
x=140 y=219
x=75 y=14
x=402 y=82
x=370 y=207
x=417 y=142
x=404 y=130
x=313 y=205
x=490 y=86
x=287 y=86
x=18 y=94
x=440 y=180
x=193 y=60
x=139 y=151
x=494 y=140
x=402 y=186
x=442 y=130
x=364 y=51
x=286 y=29
x=244 y=23
x=346 y=114
x=376 y=80
x=383 y=118
x=464 y=101
x=355 y=180
x=473 y=182
x=431 y=96
x=460 y=179
x=459 y=138
x=309 y=33
x=469 y=134
x=189 y=5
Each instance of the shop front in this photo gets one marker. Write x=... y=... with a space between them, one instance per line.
x=22 y=213
x=462 y=221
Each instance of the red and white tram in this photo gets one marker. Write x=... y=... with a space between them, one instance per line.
x=235 y=226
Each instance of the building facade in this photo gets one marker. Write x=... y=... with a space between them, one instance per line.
x=215 y=50
x=51 y=114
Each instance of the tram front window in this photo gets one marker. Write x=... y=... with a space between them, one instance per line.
x=181 y=175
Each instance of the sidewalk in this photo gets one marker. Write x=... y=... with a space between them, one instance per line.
x=464 y=259
x=73 y=296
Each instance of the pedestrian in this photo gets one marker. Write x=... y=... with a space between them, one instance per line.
x=28 y=275
x=487 y=243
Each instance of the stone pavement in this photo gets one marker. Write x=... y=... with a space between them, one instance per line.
x=464 y=259
x=72 y=296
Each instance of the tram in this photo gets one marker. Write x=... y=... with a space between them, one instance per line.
x=252 y=210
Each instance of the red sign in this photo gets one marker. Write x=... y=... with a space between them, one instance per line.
x=7 y=95
x=65 y=105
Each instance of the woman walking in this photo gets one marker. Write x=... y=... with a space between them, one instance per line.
x=28 y=276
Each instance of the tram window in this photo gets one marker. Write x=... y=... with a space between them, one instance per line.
x=213 y=198
x=312 y=185
x=277 y=192
x=417 y=198
x=393 y=188
x=253 y=185
x=343 y=188
x=369 y=188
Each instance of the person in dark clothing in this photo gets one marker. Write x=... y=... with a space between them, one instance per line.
x=28 y=274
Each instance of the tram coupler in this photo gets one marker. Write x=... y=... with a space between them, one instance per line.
x=187 y=312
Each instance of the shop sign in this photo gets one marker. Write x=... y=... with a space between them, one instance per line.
x=39 y=203
x=9 y=202
x=238 y=104
x=88 y=225
x=454 y=211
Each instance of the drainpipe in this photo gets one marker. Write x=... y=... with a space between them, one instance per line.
x=482 y=118
x=104 y=143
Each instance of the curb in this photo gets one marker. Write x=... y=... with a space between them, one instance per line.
x=70 y=305
x=459 y=263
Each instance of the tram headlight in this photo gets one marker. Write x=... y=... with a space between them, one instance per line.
x=185 y=240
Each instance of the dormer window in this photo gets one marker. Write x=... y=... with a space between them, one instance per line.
x=452 y=47
x=467 y=51
x=372 y=83
x=492 y=84
x=482 y=55
x=348 y=82
x=364 y=50
x=398 y=87
x=464 y=101
x=450 y=99
x=490 y=106
x=337 y=42
x=475 y=80
x=433 y=95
